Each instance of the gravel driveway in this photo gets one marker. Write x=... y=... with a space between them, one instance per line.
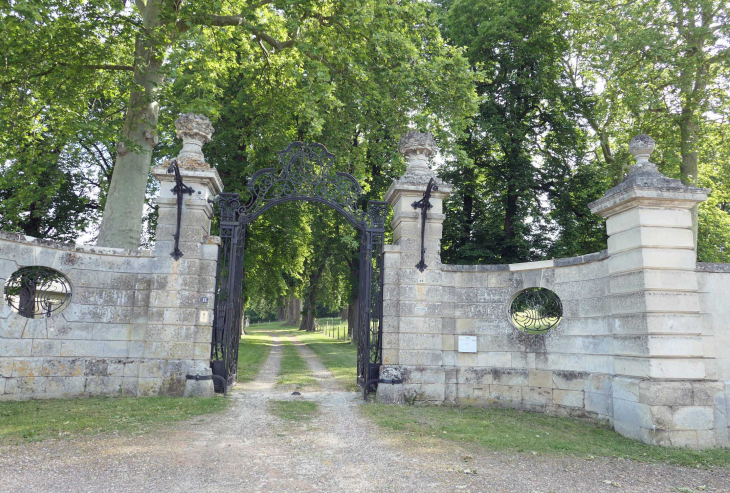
x=245 y=449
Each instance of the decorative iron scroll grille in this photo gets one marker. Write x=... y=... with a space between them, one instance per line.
x=536 y=310
x=37 y=292
x=306 y=172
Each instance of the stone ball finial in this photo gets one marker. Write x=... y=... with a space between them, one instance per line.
x=194 y=130
x=641 y=148
x=418 y=143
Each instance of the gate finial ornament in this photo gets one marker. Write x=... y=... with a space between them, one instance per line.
x=418 y=148
x=194 y=130
x=641 y=148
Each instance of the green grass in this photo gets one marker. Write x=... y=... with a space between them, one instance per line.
x=43 y=419
x=508 y=429
x=339 y=357
x=252 y=352
x=293 y=410
x=294 y=370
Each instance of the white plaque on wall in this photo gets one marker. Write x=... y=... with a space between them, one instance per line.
x=467 y=344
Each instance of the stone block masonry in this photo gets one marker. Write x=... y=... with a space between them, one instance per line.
x=138 y=321
x=644 y=335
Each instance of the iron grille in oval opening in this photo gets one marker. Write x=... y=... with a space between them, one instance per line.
x=37 y=292
x=536 y=310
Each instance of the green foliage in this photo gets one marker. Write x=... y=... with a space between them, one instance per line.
x=58 y=113
x=660 y=68
x=355 y=86
x=253 y=351
x=294 y=371
x=348 y=73
x=565 y=87
x=523 y=181
x=533 y=104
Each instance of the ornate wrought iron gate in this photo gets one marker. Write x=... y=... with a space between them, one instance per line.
x=306 y=172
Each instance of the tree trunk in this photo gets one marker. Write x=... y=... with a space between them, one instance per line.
x=693 y=83
x=294 y=309
x=26 y=302
x=309 y=314
x=353 y=317
x=509 y=252
x=689 y=167
x=352 y=307
x=309 y=319
x=616 y=173
x=121 y=225
x=281 y=312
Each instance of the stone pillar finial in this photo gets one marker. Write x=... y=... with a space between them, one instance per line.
x=418 y=148
x=194 y=130
x=641 y=148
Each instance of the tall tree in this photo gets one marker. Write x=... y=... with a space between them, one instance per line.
x=659 y=67
x=524 y=144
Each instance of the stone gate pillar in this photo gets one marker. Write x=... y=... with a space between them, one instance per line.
x=180 y=316
x=661 y=392
x=418 y=316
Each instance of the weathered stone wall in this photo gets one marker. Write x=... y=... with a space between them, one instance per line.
x=714 y=289
x=564 y=371
x=138 y=321
x=643 y=342
x=116 y=337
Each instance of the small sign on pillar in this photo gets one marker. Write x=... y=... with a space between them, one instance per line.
x=467 y=344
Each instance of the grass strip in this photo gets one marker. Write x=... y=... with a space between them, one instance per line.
x=37 y=420
x=253 y=351
x=294 y=370
x=521 y=431
x=296 y=411
x=339 y=357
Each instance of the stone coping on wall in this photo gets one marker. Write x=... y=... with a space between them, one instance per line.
x=71 y=247
x=542 y=264
x=712 y=267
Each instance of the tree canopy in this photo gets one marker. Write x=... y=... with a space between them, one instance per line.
x=532 y=102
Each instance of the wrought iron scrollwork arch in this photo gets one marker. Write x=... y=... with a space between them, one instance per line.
x=306 y=172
